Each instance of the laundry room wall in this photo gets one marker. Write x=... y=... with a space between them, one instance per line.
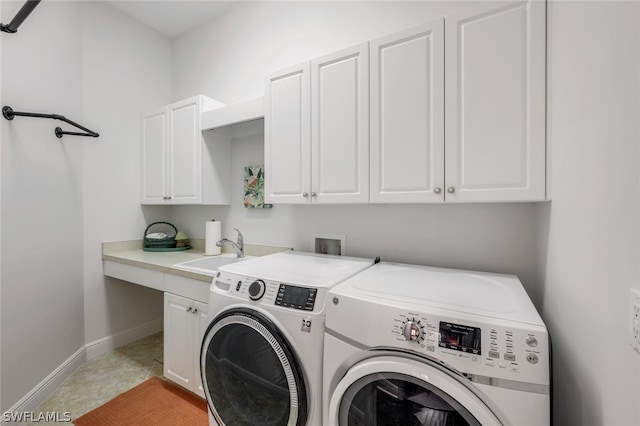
x=227 y=59
x=592 y=251
x=42 y=303
x=1 y=133
x=126 y=72
x=62 y=198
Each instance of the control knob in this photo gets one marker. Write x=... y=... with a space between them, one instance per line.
x=411 y=331
x=256 y=290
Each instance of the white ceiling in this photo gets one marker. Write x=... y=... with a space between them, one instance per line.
x=172 y=17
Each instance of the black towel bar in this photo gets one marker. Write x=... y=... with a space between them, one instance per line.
x=9 y=114
x=22 y=14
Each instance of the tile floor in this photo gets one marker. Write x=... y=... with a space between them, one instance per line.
x=104 y=377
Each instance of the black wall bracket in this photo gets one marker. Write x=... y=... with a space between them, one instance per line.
x=10 y=114
x=27 y=8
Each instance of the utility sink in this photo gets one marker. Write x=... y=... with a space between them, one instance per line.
x=208 y=265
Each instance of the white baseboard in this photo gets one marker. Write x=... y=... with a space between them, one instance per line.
x=109 y=343
x=41 y=392
x=32 y=400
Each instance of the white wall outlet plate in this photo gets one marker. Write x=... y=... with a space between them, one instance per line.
x=634 y=318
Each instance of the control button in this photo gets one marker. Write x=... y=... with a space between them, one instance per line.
x=532 y=358
x=502 y=365
x=256 y=290
x=239 y=285
x=489 y=362
x=433 y=337
x=531 y=341
x=494 y=354
x=514 y=367
x=510 y=357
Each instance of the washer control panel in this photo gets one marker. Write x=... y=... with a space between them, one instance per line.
x=268 y=292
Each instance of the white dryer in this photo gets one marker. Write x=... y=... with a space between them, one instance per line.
x=261 y=357
x=413 y=345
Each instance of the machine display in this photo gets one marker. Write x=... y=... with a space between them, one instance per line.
x=459 y=337
x=301 y=298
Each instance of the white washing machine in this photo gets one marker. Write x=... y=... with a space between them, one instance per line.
x=261 y=357
x=413 y=345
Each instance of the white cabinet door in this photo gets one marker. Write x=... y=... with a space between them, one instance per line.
x=340 y=127
x=178 y=340
x=201 y=324
x=495 y=92
x=185 y=323
x=185 y=152
x=407 y=116
x=287 y=135
x=154 y=164
x=181 y=165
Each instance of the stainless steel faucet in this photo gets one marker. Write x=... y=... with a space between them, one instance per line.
x=238 y=247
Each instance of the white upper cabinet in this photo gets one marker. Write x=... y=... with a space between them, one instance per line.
x=154 y=152
x=450 y=111
x=340 y=127
x=495 y=102
x=185 y=170
x=180 y=164
x=317 y=130
x=287 y=136
x=407 y=115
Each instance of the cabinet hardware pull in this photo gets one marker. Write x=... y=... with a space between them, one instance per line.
x=451 y=190
x=437 y=190
x=305 y=195
x=313 y=194
x=195 y=310
x=189 y=309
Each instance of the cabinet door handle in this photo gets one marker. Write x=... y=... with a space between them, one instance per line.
x=195 y=310
x=305 y=195
x=451 y=190
x=189 y=309
x=313 y=194
x=437 y=190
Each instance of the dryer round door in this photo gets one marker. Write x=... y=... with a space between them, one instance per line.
x=390 y=390
x=250 y=374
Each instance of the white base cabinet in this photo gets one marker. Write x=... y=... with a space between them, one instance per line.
x=181 y=164
x=185 y=322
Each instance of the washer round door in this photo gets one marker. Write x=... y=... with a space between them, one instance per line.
x=390 y=391
x=250 y=374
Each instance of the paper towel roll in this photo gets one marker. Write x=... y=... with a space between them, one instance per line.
x=213 y=234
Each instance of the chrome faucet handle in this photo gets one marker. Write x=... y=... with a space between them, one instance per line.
x=240 y=239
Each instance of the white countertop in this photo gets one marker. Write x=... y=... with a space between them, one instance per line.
x=131 y=253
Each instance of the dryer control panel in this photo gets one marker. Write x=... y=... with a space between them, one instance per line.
x=487 y=348
x=471 y=344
